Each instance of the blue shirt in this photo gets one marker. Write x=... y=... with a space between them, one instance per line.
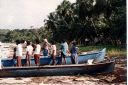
x=73 y=50
x=64 y=48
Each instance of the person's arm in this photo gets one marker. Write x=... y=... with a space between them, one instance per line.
x=53 y=53
x=14 y=55
x=49 y=44
x=77 y=49
x=27 y=54
x=71 y=50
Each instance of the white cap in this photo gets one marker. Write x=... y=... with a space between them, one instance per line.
x=45 y=40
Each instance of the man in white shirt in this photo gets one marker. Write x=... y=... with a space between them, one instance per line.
x=19 y=51
x=29 y=51
x=37 y=53
x=53 y=52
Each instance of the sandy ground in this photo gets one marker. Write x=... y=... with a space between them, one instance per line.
x=118 y=77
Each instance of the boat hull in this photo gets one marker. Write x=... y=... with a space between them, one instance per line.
x=83 y=58
x=50 y=70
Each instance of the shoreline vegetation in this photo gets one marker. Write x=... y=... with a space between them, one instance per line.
x=112 y=51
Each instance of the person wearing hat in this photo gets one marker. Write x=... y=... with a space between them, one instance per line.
x=46 y=47
x=73 y=51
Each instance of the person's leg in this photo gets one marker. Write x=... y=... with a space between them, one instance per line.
x=35 y=59
x=72 y=59
x=29 y=61
x=64 y=59
x=53 y=60
x=61 y=58
x=76 y=59
x=19 y=61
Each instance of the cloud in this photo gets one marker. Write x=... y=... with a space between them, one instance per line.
x=25 y=13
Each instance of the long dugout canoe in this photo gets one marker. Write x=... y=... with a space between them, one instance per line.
x=55 y=70
x=47 y=60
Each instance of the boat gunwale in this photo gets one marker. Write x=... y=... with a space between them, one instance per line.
x=56 y=66
x=80 y=55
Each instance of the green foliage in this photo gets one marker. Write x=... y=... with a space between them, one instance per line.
x=24 y=34
x=112 y=51
x=105 y=20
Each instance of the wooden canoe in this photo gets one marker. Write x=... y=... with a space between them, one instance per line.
x=47 y=60
x=54 y=70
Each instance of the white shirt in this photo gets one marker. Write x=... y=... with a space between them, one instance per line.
x=19 y=50
x=29 y=49
x=38 y=49
x=0 y=51
x=53 y=48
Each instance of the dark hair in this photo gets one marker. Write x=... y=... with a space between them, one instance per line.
x=28 y=43
x=63 y=40
x=74 y=43
x=52 y=42
x=18 y=42
x=34 y=46
x=37 y=41
x=22 y=41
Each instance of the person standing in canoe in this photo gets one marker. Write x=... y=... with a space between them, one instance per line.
x=74 y=51
x=19 y=51
x=53 y=52
x=46 y=47
x=37 y=53
x=0 y=55
x=64 y=51
x=29 y=52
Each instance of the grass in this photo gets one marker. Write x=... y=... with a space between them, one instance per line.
x=112 y=51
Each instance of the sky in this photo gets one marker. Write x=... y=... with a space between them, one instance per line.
x=21 y=14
